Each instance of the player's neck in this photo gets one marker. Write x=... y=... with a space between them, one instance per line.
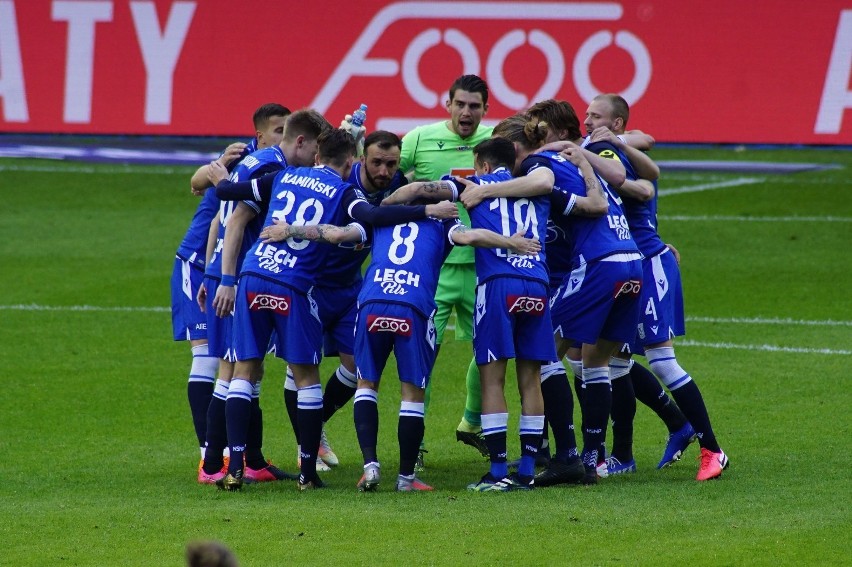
x=337 y=169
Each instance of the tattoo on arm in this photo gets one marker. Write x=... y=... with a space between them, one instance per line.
x=592 y=186
x=432 y=186
x=310 y=232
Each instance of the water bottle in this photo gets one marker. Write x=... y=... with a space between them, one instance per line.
x=358 y=119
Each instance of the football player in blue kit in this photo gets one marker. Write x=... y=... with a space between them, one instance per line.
x=188 y=319
x=268 y=120
x=661 y=300
x=512 y=297
x=557 y=402
x=274 y=292
x=238 y=228
x=377 y=175
x=597 y=303
x=564 y=129
x=396 y=309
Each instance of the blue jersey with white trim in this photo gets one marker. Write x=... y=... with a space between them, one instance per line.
x=300 y=196
x=193 y=247
x=406 y=262
x=592 y=238
x=642 y=220
x=252 y=166
x=342 y=267
x=507 y=216
x=641 y=215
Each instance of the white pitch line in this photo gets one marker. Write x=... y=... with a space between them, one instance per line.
x=709 y=186
x=107 y=170
x=771 y=321
x=765 y=348
x=715 y=218
x=34 y=307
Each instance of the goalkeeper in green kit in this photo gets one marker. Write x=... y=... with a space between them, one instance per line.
x=428 y=153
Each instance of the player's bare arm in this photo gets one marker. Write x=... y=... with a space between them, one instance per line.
x=643 y=165
x=634 y=148
x=557 y=146
x=610 y=169
x=442 y=210
x=430 y=190
x=639 y=140
x=201 y=297
x=328 y=233
x=640 y=189
x=675 y=252
x=535 y=183
x=484 y=238
x=595 y=203
x=226 y=295
x=200 y=179
x=216 y=172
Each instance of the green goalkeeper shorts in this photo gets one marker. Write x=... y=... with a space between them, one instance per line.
x=456 y=288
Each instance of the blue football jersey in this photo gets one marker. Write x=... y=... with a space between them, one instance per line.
x=560 y=247
x=193 y=247
x=642 y=220
x=592 y=238
x=641 y=215
x=252 y=166
x=342 y=267
x=507 y=216
x=300 y=196
x=407 y=259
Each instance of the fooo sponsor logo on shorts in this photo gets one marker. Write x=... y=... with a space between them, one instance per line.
x=379 y=324
x=629 y=288
x=525 y=304
x=278 y=303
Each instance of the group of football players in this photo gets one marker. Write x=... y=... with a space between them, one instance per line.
x=568 y=266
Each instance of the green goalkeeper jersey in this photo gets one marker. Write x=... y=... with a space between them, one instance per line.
x=429 y=152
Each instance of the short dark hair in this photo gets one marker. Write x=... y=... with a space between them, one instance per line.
x=335 y=146
x=265 y=112
x=306 y=122
x=471 y=84
x=382 y=138
x=620 y=108
x=498 y=152
x=559 y=115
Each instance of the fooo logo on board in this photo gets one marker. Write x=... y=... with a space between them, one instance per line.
x=459 y=25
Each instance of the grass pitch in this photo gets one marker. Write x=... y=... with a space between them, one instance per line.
x=99 y=453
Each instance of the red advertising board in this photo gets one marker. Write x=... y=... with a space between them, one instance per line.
x=730 y=71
